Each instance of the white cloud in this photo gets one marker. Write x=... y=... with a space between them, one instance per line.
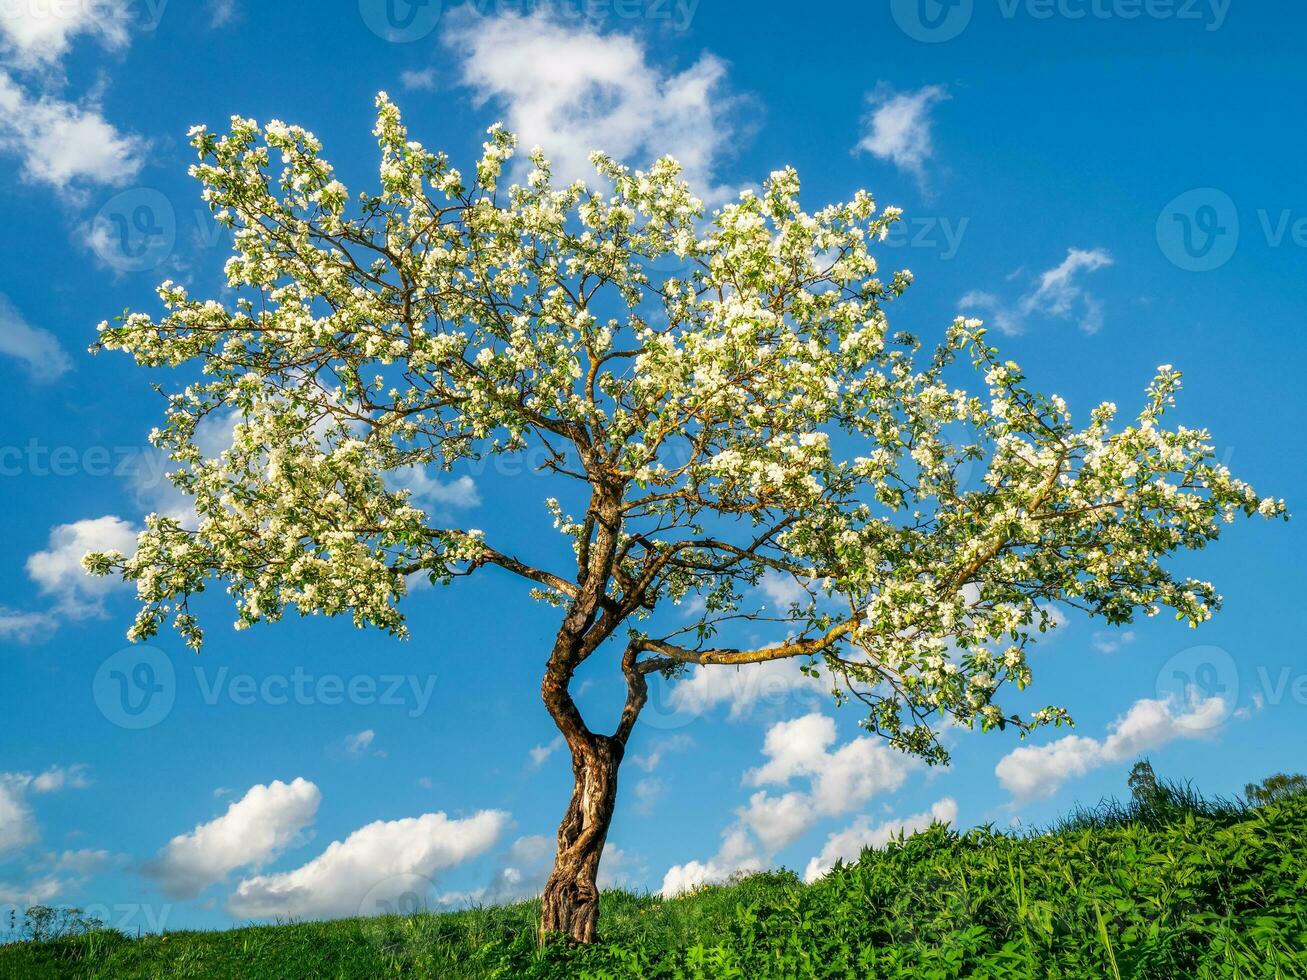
x=58 y=571
x=18 y=827
x=25 y=627
x=647 y=792
x=575 y=90
x=360 y=744
x=778 y=821
x=782 y=591
x=40 y=352
x=221 y=12
x=39 y=32
x=840 y=781
x=541 y=753
x=794 y=748
x=431 y=493
x=898 y=128
x=371 y=869
x=664 y=746
x=619 y=869
x=847 y=845
x=520 y=873
x=38 y=892
x=419 y=81
x=1034 y=772
x=1106 y=641
x=1057 y=293
x=774 y=682
x=81 y=863
x=62 y=144
x=59 y=778
x=737 y=855
x=254 y=830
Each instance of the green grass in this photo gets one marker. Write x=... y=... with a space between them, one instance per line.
x=1182 y=889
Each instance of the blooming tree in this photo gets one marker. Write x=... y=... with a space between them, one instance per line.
x=748 y=415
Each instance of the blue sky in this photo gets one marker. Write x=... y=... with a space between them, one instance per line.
x=1112 y=184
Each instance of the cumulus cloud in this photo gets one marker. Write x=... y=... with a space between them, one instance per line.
x=63 y=144
x=572 y=89
x=254 y=830
x=847 y=845
x=839 y=781
x=435 y=495
x=39 y=351
x=1034 y=772
x=373 y=869
x=35 y=33
x=743 y=688
x=737 y=855
x=1058 y=293
x=58 y=570
x=898 y=127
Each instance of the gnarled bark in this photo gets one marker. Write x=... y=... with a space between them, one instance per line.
x=569 y=905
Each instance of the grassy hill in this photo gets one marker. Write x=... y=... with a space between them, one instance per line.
x=1185 y=889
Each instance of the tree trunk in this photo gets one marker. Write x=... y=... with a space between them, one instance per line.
x=569 y=905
